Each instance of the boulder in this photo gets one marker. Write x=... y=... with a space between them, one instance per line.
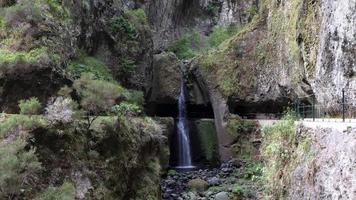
x=222 y=196
x=164 y=83
x=198 y=184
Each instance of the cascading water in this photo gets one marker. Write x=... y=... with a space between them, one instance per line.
x=184 y=156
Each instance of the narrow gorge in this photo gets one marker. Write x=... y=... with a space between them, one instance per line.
x=177 y=99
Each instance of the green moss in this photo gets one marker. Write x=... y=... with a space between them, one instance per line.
x=7 y=56
x=208 y=139
x=309 y=25
x=64 y=192
x=87 y=64
x=282 y=150
x=122 y=24
x=220 y=34
x=137 y=16
x=187 y=45
x=2 y=23
x=237 y=126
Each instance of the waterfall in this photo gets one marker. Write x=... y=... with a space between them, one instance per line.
x=184 y=156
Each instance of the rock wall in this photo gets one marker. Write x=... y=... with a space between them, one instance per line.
x=327 y=171
x=336 y=62
x=291 y=49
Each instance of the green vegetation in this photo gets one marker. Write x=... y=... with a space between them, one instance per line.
x=7 y=56
x=97 y=96
x=135 y=97
x=208 y=139
x=18 y=167
x=137 y=16
x=129 y=23
x=64 y=192
x=282 y=150
x=87 y=64
x=14 y=122
x=220 y=34
x=237 y=126
x=26 y=11
x=126 y=109
x=187 y=46
x=253 y=170
x=2 y=22
x=122 y=24
x=30 y=107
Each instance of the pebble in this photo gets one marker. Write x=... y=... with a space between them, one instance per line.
x=175 y=186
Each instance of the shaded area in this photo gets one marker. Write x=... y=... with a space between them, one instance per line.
x=259 y=110
x=203 y=140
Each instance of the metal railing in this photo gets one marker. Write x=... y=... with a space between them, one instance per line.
x=345 y=108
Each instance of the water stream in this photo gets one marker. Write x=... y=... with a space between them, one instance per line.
x=184 y=156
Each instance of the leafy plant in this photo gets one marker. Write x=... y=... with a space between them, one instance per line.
x=96 y=95
x=186 y=47
x=16 y=122
x=126 y=109
x=30 y=107
x=135 y=97
x=123 y=25
x=64 y=192
x=137 y=15
x=87 y=64
x=220 y=34
x=18 y=167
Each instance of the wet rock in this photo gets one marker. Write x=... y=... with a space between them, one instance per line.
x=222 y=196
x=214 y=181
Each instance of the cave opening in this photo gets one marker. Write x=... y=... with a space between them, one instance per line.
x=259 y=110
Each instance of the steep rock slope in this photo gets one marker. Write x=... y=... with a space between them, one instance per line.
x=328 y=172
x=286 y=51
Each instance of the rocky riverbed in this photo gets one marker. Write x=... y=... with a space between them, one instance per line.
x=232 y=180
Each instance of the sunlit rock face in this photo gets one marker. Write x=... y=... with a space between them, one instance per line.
x=174 y=18
x=336 y=64
x=237 y=12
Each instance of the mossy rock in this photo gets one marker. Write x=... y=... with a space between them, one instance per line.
x=198 y=185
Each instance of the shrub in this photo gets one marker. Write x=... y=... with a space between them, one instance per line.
x=135 y=97
x=26 y=11
x=277 y=149
x=123 y=25
x=13 y=123
x=33 y=55
x=97 y=95
x=220 y=34
x=30 y=107
x=18 y=167
x=237 y=126
x=138 y=16
x=60 y=111
x=64 y=192
x=186 y=47
x=126 y=109
x=87 y=64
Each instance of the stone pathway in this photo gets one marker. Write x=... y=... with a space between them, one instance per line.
x=229 y=181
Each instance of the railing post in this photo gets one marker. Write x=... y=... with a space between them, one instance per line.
x=343 y=104
x=313 y=108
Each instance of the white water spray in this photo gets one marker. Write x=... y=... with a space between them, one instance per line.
x=184 y=157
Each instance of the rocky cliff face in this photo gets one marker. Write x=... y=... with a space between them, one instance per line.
x=336 y=65
x=291 y=49
x=327 y=172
